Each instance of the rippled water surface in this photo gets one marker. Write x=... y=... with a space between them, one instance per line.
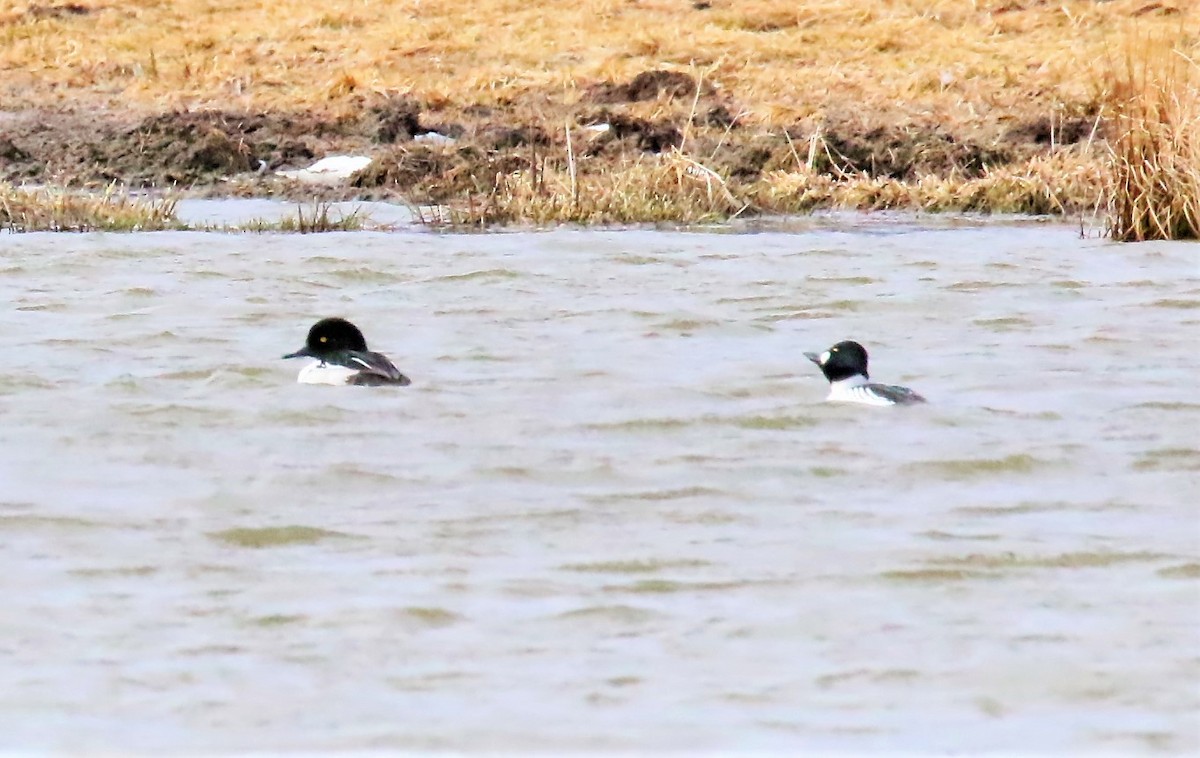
x=612 y=510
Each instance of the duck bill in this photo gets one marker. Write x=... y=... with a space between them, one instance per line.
x=303 y=352
x=813 y=357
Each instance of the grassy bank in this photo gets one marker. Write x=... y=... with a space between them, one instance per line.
x=961 y=60
x=680 y=187
x=598 y=111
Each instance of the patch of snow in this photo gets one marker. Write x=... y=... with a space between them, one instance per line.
x=433 y=138
x=329 y=170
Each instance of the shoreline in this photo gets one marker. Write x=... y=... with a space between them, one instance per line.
x=595 y=162
x=604 y=112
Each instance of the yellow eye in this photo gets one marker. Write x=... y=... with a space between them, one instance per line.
x=324 y=339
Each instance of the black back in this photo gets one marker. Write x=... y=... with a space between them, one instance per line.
x=898 y=395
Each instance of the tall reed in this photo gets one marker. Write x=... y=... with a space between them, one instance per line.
x=1154 y=180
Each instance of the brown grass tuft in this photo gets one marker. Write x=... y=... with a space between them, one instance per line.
x=1061 y=183
x=320 y=218
x=47 y=210
x=668 y=187
x=1154 y=178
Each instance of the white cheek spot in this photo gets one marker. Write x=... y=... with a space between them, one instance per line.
x=825 y=357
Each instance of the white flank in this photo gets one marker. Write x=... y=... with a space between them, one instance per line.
x=853 y=390
x=325 y=373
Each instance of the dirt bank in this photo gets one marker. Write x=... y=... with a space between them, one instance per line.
x=613 y=125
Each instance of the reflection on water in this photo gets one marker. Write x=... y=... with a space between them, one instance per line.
x=611 y=511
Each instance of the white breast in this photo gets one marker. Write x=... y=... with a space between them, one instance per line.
x=325 y=373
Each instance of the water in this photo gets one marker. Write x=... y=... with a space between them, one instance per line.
x=612 y=511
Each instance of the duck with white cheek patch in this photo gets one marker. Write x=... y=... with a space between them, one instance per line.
x=342 y=357
x=845 y=366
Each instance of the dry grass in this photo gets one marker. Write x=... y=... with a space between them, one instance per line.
x=1065 y=182
x=44 y=210
x=320 y=218
x=785 y=59
x=970 y=66
x=48 y=210
x=669 y=187
x=1154 y=182
x=677 y=187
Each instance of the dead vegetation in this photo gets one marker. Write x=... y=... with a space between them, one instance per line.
x=785 y=60
x=115 y=210
x=676 y=186
x=51 y=210
x=1154 y=183
x=318 y=218
x=600 y=111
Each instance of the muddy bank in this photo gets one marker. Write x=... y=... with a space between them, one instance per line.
x=447 y=154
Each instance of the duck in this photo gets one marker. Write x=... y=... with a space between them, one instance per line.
x=341 y=356
x=845 y=366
